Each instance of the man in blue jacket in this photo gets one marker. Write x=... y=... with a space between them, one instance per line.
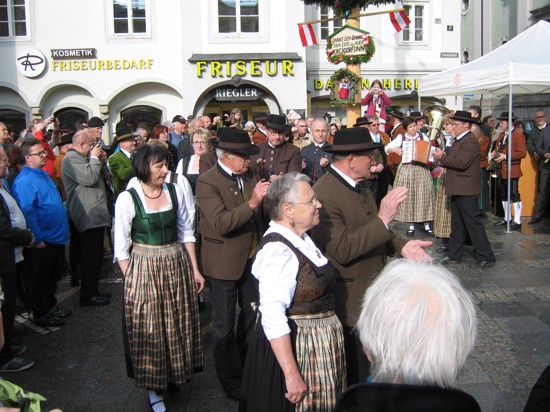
x=46 y=217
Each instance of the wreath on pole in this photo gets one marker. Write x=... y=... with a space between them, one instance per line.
x=345 y=88
x=335 y=58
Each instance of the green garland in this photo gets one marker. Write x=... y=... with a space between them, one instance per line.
x=335 y=58
x=336 y=77
x=344 y=7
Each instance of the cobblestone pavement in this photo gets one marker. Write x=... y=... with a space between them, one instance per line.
x=80 y=366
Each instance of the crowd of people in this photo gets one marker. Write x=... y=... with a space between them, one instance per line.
x=288 y=222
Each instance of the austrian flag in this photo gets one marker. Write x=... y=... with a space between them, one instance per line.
x=400 y=20
x=307 y=35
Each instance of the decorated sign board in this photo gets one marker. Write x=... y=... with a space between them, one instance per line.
x=350 y=45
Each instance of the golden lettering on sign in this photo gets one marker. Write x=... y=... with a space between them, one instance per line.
x=389 y=84
x=93 y=65
x=254 y=68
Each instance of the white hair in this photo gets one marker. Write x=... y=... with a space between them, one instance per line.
x=417 y=324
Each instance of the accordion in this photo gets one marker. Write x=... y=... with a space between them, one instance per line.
x=416 y=151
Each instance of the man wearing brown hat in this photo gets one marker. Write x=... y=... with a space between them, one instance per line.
x=120 y=163
x=500 y=155
x=354 y=232
x=277 y=156
x=463 y=185
x=230 y=202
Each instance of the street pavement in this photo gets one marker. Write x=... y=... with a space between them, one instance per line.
x=80 y=366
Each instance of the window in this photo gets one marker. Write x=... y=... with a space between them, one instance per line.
x=130 y=18
x=13 y=18
x=238 y=17
x=414 y=32
x=328 y=27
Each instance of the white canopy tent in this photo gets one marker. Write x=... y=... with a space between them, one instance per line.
x=519 y=66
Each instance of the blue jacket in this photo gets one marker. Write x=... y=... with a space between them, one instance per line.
x=42 y=206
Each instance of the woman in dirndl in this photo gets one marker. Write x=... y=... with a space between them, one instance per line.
x=419 y=205
x=442 y=222
x=155 y=249
x=296 y=358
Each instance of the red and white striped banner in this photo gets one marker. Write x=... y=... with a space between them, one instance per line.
x=307 y=35
x=400 y=20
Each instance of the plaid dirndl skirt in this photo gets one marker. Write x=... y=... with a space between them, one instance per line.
x=162 y=316
x=318 y=342
x=419 y=205
x=442 y=223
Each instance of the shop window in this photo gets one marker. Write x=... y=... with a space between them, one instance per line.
x=14 y=120
x=69 y=116
x=142 y=116
x=415 y=32
x=13 y=19
x=328 y=27
x=131 y=18
x=238 y=18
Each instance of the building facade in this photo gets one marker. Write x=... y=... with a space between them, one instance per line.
x=151 y=60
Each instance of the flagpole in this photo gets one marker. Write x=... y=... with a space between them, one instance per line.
x=374 y=13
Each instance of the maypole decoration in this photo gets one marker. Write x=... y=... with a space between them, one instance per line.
x=354 y=50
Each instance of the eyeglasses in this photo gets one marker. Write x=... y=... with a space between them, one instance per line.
x=313 y=202
x=41 y=153
x=457 y=124
x=540 y=117
x=375 y=124
x=200 y=143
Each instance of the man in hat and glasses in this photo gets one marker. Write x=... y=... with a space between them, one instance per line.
x=500 y=155
x=230 y=197
x=463 y=185
x=277 y=156
x=121 y=163
x=354 y=232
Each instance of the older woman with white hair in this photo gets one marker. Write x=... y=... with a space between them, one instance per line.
x=296 y=357
x=417 y=326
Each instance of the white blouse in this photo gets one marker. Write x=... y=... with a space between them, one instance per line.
x=276 y=268
x=125 y=213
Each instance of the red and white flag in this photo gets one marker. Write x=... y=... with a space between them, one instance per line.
x=400 y=20
x=307 y=35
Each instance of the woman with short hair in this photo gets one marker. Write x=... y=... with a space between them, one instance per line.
x=296 y=358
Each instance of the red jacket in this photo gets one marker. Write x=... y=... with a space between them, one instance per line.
x=50 y=159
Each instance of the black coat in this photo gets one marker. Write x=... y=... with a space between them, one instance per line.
x=9 y=238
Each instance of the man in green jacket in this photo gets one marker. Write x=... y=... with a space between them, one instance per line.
x=121 y=163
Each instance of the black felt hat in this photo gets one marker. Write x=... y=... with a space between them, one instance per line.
x=355 y=139
x=277 y=122
x=362 y=121
x=464 y=116
x=234 y=140
x=504 y=116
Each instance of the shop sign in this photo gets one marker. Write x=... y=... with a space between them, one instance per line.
x=254 y=68
x=93 y=65
x=30 y=62
x=71 y=54
x=222 y=94
x=387 y=84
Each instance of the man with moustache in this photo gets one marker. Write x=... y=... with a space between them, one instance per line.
x=354 y=233
x=230 y=197
x=462 y=183
x=277 y=156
